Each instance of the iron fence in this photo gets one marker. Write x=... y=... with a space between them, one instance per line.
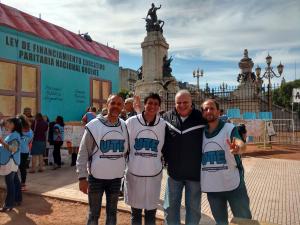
x=248 y=99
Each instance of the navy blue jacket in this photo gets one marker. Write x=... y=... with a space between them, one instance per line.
x=183 y=145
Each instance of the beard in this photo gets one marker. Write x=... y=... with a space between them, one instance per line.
x=211 y=118
x=114 y=112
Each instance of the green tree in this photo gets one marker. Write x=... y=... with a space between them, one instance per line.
x=282 y=96
x=124 y=93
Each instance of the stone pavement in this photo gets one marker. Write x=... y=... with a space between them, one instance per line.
x=273 y=187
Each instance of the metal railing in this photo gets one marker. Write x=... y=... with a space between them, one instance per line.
x=247 y=99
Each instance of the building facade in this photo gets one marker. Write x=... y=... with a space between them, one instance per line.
x=50 y=69
x=187 y=86
x=128 y=77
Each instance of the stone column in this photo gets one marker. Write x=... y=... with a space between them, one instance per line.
x=154 y=49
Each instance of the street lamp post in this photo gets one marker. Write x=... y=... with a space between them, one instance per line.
x=269 y=74
x=198 y=74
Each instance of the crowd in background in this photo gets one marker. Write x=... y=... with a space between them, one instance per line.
x=27 y=143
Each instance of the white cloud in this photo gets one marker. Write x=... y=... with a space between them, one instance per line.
x=278 y=55
x=214 y=30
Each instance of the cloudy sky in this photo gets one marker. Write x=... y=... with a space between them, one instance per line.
x=209 y=34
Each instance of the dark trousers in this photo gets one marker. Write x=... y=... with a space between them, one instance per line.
x=238 y=200
x=74 y=158
x=23 y=167
x=56 y=152
x=96 y=189
x=13 y=189
x=136 y=216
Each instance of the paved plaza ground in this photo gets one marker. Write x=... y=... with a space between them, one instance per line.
x=273 y=186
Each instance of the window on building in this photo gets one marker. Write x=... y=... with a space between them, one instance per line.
x=131 y=86
x=100 y=90
x=18 y=88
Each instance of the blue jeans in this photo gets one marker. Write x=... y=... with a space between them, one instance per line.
x=136 y=216
x=13 y=187
x=96 y=189
x=172 y=201
x=238 y=200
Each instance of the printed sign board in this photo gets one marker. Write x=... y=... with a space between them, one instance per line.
x=73 y=134
x=255 y=128
x=270 y=128
x=296 y=95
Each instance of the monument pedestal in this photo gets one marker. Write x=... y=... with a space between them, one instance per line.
x=247 y=96
x=155 y=48
x=161 y=87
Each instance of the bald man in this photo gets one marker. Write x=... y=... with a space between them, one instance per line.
x=182 y=152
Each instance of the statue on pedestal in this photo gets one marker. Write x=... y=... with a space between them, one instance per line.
x=246 y=65
x=152 y=13
x=152 y=23
x=155 y=75
x=243 y=77
x=167 y=70
x=140 y=73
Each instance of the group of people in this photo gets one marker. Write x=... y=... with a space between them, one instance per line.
x=200 y=151
x=20 y=137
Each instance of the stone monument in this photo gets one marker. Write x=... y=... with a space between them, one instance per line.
x=247 y=78
x=155 y=74
x=250 y=85
x=246 y=75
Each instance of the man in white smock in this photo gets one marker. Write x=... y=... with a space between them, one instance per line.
x=143 y=177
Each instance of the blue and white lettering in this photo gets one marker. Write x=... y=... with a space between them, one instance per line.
x=112 y=145
x=146 y=143
x=214 y=157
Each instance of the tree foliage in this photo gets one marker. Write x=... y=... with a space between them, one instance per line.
x=124 y=93
x=282 y=96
